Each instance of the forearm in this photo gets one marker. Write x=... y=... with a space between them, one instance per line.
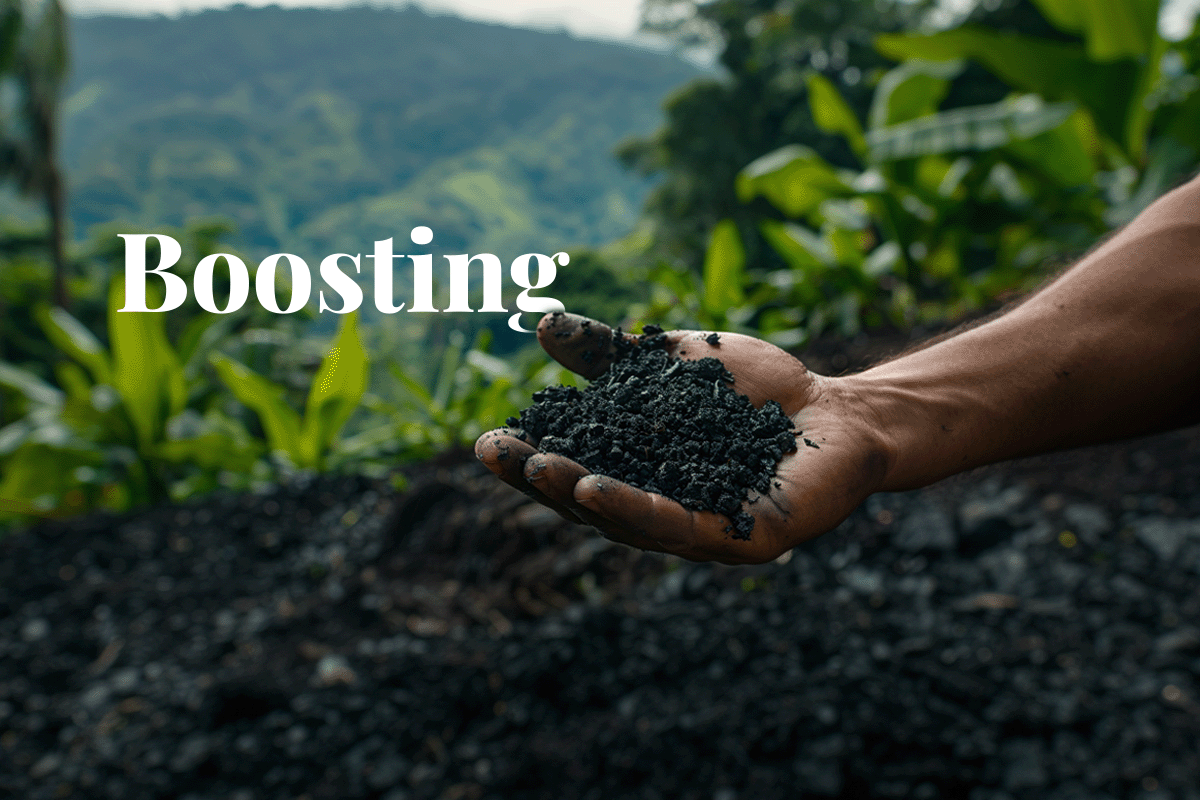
x=1110 y=349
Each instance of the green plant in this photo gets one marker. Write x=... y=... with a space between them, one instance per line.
x=470 y=392
x=1137 y=90
x=119 y=429
x=717 y=299
x=952 y=208
x=946 y=209
x=305 y=442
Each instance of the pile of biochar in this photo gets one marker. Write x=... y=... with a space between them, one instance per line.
x=668 y=426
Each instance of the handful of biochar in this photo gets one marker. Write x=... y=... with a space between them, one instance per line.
x=668 y=426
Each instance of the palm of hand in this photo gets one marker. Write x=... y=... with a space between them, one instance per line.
x=832 y=470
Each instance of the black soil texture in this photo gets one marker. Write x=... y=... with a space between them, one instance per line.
x=1030 y=631
x=670 y=426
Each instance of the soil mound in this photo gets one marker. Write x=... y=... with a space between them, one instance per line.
x=337 y=640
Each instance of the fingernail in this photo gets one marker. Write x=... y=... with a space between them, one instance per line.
x=534 y=467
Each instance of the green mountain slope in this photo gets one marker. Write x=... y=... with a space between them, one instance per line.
x=322 y=130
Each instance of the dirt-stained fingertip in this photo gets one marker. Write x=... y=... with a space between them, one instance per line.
x=580 y=344
x=504 y=451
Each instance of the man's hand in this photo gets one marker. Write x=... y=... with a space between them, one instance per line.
x=839 y=458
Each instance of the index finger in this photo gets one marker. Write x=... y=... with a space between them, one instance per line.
x=582 y=345
x=587 y=346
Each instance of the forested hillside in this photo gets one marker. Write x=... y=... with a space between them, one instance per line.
x=320 y=130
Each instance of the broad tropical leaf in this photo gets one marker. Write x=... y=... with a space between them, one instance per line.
x=145 y=370
x=802 y=249
x=33 y=388
x=724 y=269
x=794 y=178
x=73 y=338
x=1067 y=153
x=832 y=114
x=911 y=90
x=1054 y=70
x=973 y=128
x=1112 y=29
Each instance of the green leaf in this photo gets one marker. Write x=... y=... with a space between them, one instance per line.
x=911 y=90
x=801 y=248
x=1181 y=122
x=369 y=442
x=75 y=382
x=494 y=368
x=1168 y=159
x=724 y=269
x=973 y=128
x=1111 y=29
x=847 y=246
x=268 y=400
x=210 y=451
x=336 y=390
x=943 y=261
x=676 y=281
x=1055 y=70
x=37 y=476
x=73 y=338
x=33 y=388
x=794 y=178
x=452 y=356
x=1141 y=108
x=882 y=260
x=419 y=393
x=832 y=114
x=1063 y=153
x=213 y=442
x=146 y=372
x=198 y=337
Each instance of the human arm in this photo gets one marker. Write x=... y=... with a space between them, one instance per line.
x=1110 y=349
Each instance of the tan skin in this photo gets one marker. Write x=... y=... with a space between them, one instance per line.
x=1110 y=349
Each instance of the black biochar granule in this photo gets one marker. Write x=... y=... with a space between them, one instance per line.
x=668 y=426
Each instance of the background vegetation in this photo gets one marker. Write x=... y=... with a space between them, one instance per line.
x=850 y=166
x=318 y=131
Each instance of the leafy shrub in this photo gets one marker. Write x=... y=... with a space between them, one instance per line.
x=120 y=430
x=305 y=442
x=949 y=209
x=471 y=391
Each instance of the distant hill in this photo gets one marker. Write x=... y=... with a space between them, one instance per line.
x=323 y=130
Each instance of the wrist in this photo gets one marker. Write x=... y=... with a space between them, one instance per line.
x=858 y=409
x=888 y=416
x=956 y=405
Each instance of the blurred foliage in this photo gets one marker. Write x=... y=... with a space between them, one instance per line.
x=144 y=418
x=337 y=387
x=33 y=65
x=123 y=424
x=939 y=210
x=717 y=125
x=858 y=164
x=470 y=392
x=101 y=408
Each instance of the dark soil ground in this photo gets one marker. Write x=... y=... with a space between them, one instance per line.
x=1030 y=630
